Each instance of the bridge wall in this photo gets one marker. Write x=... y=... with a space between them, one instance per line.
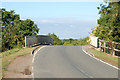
x=39 y=39
x=94 y=41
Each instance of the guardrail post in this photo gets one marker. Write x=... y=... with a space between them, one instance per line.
x=25 y=42
x=113 y=47
x=104 y=47
x=100 y=45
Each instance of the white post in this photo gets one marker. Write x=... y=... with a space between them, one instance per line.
x=104 y=47
x=25 y=42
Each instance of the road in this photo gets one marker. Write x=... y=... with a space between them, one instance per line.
x=69 y=62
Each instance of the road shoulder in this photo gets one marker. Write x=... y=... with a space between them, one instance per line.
x=102 y=57
x=21 y=66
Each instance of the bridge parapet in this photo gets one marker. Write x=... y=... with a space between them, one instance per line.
x=39 y=39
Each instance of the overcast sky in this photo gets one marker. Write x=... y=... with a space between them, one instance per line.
x=66 y=19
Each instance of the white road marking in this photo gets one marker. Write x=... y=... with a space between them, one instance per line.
x=100 y=60
x=34 y=59
x=36 y=53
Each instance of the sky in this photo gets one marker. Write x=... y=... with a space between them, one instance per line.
x=65 y=19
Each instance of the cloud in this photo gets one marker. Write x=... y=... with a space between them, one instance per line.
x=56 y=21
x=46 y=21
x=68 y=21
x=69 y=29
x=72 y=26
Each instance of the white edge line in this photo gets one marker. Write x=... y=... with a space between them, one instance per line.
x=34 y=59
x=36 y=53
x=100 y=60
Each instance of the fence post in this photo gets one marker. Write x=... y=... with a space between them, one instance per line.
x=100 y=45
x=25 y=42
x=113 y=47
x=104 y=47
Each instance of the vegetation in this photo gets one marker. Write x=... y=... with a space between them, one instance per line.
x=10 y=55
x=56 y=40
x=105 y=57
x=109 y=22
x=14 y=30
x=70 y=41
x=75 y=41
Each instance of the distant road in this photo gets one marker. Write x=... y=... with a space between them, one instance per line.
x=69 y=62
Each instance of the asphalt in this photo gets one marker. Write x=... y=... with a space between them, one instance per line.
x=69 y=62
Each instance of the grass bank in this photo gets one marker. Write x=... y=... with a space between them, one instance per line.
x=10 y=55
x=105 y=57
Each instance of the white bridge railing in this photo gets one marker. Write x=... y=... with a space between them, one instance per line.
x=94 y=41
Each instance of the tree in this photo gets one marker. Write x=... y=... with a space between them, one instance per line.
x=109 y=22
x=27 y=28
x=14 y=30
x=56 y=40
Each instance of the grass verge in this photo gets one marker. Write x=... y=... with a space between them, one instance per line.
x=105 y=57
x=10 y=55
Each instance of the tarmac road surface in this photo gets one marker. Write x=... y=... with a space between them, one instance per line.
x=69 y=62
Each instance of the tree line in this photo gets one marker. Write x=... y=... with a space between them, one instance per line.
x=14 y=29
x=109 y=22
x=75 y=42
